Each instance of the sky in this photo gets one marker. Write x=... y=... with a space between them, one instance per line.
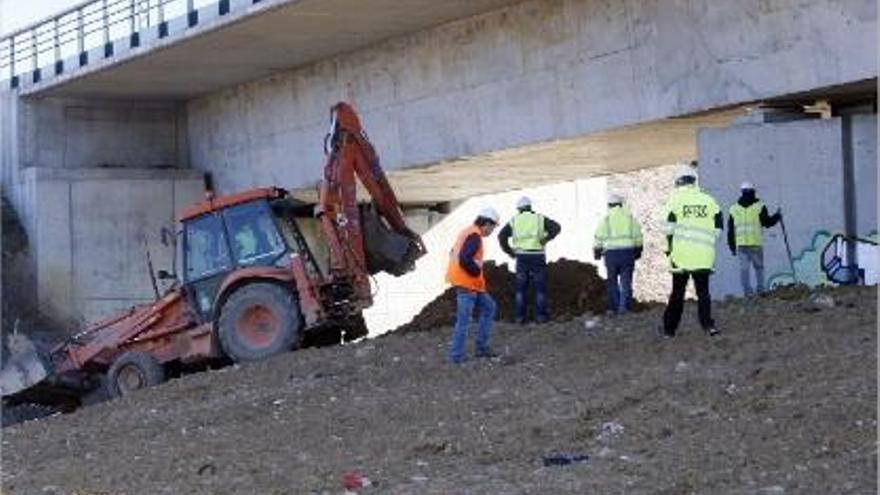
x=16 y=14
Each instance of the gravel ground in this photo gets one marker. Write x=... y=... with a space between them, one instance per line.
x=783 y=402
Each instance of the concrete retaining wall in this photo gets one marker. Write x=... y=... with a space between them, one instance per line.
x=797 y=166
x=90 y=229
x=537 y=71
x=89 y=181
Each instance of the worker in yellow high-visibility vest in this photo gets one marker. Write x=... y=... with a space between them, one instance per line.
x=745 y=235
x=524 y=238
x=619 y=238
x=693 y=222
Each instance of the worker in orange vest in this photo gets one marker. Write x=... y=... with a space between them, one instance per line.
x=465 y=273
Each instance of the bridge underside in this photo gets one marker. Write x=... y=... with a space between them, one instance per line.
x=616 y=151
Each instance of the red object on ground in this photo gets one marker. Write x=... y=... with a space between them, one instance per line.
x=352 y=480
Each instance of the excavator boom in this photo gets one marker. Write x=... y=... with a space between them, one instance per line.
x=365 y=240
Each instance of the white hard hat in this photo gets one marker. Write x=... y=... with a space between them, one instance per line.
x=614 y=198
x=524 y=202
x=746 y=185
x=685 y=170
x=489 y=213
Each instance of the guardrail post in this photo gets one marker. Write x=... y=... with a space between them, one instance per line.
x=163 y=26
x=35 y=57
x=59 y=64
x=192 y=15
x=81 y=38
x=13 y=77
x=135 y=39
x=108 y=45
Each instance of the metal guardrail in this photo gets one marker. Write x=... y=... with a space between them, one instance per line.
x=76 y=31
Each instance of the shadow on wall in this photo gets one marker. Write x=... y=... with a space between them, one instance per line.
x=18 y=296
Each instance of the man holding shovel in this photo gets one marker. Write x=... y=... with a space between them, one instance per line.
x=745 y=236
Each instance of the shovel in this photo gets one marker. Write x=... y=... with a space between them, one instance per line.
x=788 y=251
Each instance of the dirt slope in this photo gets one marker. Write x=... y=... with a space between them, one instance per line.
x=784 y=402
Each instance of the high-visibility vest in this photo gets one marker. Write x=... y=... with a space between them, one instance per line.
x=528 y=232
x=458 y=276
x=693 y=233
x=246 y=244
x=747 y=222
x=618 y=230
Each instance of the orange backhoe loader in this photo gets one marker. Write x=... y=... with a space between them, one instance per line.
x=250 y=285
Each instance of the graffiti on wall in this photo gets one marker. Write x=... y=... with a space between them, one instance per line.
x=825 y=250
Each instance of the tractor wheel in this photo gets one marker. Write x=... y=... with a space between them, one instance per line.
x=133 y=371
x=259 y=320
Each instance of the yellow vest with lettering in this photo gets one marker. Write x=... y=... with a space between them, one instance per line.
x=693 y=233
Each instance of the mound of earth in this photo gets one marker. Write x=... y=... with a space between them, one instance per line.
x=573 y=289
x=784 y=401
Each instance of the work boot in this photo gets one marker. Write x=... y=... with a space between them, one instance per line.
x=661 y=332
x=712 y=331
x=487 y=354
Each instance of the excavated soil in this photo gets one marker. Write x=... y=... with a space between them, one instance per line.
x=573 y=289
x=783 y=402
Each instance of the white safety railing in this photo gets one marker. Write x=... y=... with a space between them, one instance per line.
x=92 y=24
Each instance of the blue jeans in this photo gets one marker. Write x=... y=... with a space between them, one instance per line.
x=751 y=256
x=531 y=269
x=620 y=264
x=466 y=300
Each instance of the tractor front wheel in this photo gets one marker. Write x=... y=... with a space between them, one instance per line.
x=259 y=320
x=133 y=371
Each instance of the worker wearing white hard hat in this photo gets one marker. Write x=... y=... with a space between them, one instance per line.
x=525 y=238
x=746 y=222
x=686 y=174
x=693 y=221
x=465 y=272
x=618 y=238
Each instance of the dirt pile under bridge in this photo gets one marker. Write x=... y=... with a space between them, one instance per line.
x=573 y=289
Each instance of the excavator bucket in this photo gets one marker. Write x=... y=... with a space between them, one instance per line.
x=386 y=250
x=22 y=366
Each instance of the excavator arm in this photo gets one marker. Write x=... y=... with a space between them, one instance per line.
x=362 y=240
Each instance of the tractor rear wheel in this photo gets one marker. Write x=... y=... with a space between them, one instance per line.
x=259 y=320
x=133 y=371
